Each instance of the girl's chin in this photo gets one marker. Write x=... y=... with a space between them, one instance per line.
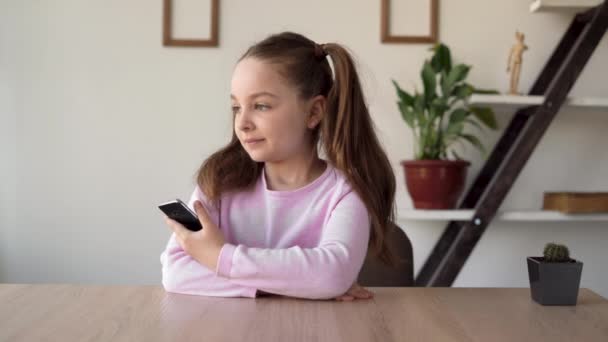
x=257 y=156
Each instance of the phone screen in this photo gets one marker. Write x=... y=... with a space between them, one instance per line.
x=179 y=211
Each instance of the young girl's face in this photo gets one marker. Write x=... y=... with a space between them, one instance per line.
x=270 y=120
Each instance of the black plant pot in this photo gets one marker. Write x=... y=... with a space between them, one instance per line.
x=554 y=283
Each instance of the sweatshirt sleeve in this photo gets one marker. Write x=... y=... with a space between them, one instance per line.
x=322 y=272
x=182 y=274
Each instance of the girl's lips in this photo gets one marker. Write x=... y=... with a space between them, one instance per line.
x=253 y=141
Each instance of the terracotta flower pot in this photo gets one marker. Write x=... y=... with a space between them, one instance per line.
x=435 y=184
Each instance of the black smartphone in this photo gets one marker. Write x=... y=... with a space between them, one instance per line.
x=179 y=211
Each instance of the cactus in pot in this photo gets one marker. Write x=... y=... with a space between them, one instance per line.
x=554 y=252
x=554 y=277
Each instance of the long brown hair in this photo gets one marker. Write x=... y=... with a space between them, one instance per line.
x=346 y=132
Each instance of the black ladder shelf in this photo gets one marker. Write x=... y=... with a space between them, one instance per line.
x=515 y=147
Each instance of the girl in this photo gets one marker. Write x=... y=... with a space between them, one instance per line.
x=277 y=218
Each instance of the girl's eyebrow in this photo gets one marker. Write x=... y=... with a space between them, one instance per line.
x=254 y=95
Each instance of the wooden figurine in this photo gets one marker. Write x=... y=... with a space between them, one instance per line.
x=515 y=61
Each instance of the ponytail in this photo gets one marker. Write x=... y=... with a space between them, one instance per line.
x=351 y=144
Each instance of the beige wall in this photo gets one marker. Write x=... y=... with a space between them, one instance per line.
x=100 y=123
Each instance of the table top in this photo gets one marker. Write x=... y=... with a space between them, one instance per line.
x=66 y=312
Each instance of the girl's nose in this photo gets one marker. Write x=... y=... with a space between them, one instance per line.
x=243 y=121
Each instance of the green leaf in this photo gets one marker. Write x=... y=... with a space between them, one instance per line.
x=446 y=57
x=485 y=115
x=484 y=91
x=474 y=141
x=457 y=74
x=419 y=109
x=430 y=82
x=458 y=115
x=407 y=114
x=463 y=91
x=442 y=81
x=454 y=129
x=437 y=109
x=404 y=96
x=435 y=61
x=442 y=60
x=439 y=102
x=433 y=113
x=456 y=123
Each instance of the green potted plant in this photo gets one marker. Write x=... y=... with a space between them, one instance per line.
x=555 y=277
x=438 y=117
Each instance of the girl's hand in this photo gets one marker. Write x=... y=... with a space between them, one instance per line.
x=203 y=246
x=355 y=292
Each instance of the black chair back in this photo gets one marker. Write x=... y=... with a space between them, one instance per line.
x=375 y=273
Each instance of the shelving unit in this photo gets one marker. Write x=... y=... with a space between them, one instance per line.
x=533 y=116
x=514 y=215
x=514 y=102
x=562 y=5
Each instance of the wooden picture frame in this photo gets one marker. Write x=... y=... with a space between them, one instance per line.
x=168 y=39
x=386 y=36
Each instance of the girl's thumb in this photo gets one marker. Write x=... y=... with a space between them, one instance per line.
x=201 y=212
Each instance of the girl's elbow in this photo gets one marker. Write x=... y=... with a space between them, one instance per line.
x=170 y=282
x=340 y=286
x=333 y=285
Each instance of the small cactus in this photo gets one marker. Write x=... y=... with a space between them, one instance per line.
x=556 y=253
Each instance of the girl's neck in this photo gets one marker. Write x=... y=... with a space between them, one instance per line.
x=294 y=173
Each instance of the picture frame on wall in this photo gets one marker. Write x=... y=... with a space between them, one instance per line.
x=431 y=37
x=169 y=21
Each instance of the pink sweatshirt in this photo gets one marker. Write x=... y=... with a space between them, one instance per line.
x=309 y=243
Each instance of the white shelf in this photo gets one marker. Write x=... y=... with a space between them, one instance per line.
x=562 y=5
x=512 y=102
x=521 y=215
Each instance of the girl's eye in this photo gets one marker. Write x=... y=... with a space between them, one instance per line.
x=235 y=109
x=262 y=106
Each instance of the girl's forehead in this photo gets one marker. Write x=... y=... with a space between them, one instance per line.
x=252 y=76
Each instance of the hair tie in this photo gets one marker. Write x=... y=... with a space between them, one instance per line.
x=320 y=51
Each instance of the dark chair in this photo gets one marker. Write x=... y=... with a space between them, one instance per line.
x=376 y=274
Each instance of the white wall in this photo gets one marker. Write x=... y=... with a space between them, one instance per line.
x=100 y=123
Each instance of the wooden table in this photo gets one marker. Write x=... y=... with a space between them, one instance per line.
x=147 y=313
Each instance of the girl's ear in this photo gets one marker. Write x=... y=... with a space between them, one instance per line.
x=317 y=111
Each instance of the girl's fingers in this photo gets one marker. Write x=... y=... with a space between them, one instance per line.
x=355 y=292
x=361 y=293
x=351 y=296
x=365 y=291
